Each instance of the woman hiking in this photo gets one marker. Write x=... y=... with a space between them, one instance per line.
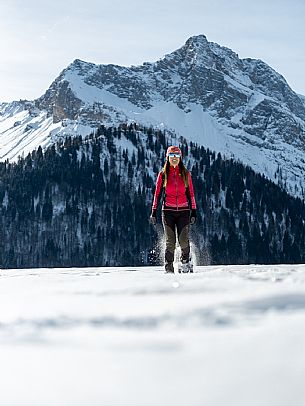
x=178 y=207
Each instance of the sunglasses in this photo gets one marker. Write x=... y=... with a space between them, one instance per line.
x=174 y=155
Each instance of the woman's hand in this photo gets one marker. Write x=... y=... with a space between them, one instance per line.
x=193 y=216
x=153 y=217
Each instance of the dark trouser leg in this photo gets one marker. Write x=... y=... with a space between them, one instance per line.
x=183 y=227
x=168 y=220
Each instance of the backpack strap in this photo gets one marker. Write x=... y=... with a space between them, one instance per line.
x=163 y=194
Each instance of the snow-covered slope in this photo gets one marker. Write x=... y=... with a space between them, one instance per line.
x=202 y=91
x=23 y=127
x=302 y=97
x=225 y=335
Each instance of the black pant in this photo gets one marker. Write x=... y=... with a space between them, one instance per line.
x=172 y=220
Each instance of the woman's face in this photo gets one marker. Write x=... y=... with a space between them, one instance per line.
x=174 y=159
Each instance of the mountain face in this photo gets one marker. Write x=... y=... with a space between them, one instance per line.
x=202 y=91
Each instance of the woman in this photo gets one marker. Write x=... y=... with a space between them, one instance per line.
x=178 y=208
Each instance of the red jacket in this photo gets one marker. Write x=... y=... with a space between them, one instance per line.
x=175 y=191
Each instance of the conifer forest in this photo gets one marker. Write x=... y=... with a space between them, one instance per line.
x=87 y=202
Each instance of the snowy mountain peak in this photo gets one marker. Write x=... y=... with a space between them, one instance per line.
x=197 y=40
x=197 y=44
x=82 y=67
x=203 y=91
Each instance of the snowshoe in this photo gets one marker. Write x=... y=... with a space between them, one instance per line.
x=185 y=267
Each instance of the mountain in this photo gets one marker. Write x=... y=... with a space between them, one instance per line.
x=86 y=202
x=202 y=91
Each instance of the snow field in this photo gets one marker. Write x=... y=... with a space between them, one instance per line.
x=225 y=335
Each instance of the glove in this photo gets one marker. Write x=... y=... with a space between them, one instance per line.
x=153 y=217
x=193 y=216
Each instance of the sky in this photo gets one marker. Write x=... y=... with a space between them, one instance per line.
x=40 y=39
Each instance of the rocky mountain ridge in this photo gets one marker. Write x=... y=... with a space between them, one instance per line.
x=202 y=91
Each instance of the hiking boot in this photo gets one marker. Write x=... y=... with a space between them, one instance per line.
x=169 y=267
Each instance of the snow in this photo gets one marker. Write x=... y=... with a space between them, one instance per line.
x=199 y=126
x=302 y=97
x=22 y=139
x=21 y=131
x=91 y=94
x=193 y=123
x=225 y=335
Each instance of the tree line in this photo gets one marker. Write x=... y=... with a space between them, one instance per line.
x=86 y=202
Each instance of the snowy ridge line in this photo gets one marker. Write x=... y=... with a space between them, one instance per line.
x=239 y=107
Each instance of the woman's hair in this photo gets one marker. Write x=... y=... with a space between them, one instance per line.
x=182 y=170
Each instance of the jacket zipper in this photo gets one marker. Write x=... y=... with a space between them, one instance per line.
x=176 y=188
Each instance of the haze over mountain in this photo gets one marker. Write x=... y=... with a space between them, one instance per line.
x=202 y=91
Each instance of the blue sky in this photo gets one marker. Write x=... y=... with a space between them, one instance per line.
x=39 y=39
